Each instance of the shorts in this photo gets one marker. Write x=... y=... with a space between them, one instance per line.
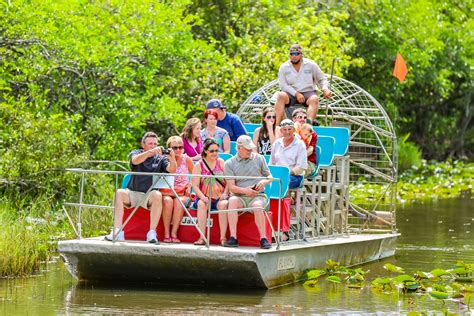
x=295 y=182
x=306 y=95
x=213 y=204
x=138 y=198
x=248 y=200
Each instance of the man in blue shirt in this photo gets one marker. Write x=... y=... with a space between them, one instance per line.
x=228 y=121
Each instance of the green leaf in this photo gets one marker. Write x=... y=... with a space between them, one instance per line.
x=392 y=268
x=334 y=279
x=439 y=295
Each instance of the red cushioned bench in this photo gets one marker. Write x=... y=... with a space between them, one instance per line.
x=247 y=233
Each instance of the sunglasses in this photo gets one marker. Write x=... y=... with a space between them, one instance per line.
x=213 y=151
x=301 y=117
x=290 y=125
x=295 y=53
x=270 y=117
x=177 y=147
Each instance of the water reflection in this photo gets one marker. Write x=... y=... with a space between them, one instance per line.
x=433 y=235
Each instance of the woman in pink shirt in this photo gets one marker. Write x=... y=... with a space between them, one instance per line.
x=192 y=138
x=172 y=208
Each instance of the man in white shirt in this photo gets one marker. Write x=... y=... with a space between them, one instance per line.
x=291 y=152
x=298 y=78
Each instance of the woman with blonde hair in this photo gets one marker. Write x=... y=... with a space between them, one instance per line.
x=192 y=138
x=172 y=207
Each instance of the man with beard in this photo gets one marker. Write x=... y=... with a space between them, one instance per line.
x=298 y=78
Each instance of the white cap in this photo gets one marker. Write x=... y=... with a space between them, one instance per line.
x=246 y=142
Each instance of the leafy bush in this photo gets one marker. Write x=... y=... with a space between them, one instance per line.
x=409 y=155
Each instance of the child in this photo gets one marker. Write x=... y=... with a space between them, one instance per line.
x=310 y=138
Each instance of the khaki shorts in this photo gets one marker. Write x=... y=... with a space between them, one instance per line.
x=248 y=200
x=138 y=198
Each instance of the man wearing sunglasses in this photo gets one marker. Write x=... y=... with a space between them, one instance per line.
x=298 y=78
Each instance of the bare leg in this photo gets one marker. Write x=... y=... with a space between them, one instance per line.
x=121 y=198
x=222 y=205
x=313 y=104
x=202 y=216
x=259 y=217
x=177 y=215
x=167 y=213
x=233 y=217
x=155 y=203
x=282 y=99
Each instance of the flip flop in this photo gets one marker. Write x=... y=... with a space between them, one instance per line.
x=175 y=240
x=168 y=240
x=200 y=242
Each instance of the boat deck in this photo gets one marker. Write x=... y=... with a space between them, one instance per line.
x=94 y=259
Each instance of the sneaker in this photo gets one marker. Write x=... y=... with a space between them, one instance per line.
x=151 y=237
x=264 y=244
x=231 y=242
x=120 y=237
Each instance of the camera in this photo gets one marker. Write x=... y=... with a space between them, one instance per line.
x=166 y=151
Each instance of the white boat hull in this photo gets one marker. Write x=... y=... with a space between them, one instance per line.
x=96 y=260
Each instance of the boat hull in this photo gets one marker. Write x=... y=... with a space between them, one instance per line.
x=96 y=260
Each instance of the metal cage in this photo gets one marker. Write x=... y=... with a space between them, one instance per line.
x=372 y=149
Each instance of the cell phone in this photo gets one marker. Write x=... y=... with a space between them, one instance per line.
x=254 y=187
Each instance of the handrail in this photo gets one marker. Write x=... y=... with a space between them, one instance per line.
x=158 y=177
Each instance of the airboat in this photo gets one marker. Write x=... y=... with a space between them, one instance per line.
x=346 y=212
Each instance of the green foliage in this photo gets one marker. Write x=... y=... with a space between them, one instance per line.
x=409 y=155
x=435 y=38
x=430 y=181
x=439 y=283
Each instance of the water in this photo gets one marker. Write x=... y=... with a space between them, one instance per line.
x=433 y=235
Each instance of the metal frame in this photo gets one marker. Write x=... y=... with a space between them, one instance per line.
x=372 y=156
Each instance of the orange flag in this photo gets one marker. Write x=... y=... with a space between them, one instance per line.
x=400 y=70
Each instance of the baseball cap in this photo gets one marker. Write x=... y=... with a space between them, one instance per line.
x=287 y=122
x=215 y=104
x=246 y=142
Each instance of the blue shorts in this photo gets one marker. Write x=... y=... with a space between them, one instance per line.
x=213 y=204
x=295 y=182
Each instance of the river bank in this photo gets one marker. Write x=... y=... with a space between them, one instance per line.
x=31 y=229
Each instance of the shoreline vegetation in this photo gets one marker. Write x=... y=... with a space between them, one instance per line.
x=31 y=229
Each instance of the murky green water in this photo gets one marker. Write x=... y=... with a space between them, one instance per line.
x=433 y=235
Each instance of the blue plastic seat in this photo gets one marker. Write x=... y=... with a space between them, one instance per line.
x=233 y=148
x=341 y=137
x=273 y=190
x=326 y=148
x=225 y=156
x=251 y=127
x=250 y=134
x=267 y=158
x=126 y=179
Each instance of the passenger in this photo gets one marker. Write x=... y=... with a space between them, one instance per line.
x=266 y=135
x=228 y=121
x=172 y=207
x=291 y=152
x=298 y=78
x=148 y=159
x=213 y=131
x=192 y=138
x=247 y=193
x=299 y=117
x=310 y=139
x=210 y=189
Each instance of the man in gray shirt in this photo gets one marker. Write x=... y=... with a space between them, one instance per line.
x=247 y=192
x=298 y=78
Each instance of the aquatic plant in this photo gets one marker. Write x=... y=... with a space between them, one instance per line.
x=447 y=285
